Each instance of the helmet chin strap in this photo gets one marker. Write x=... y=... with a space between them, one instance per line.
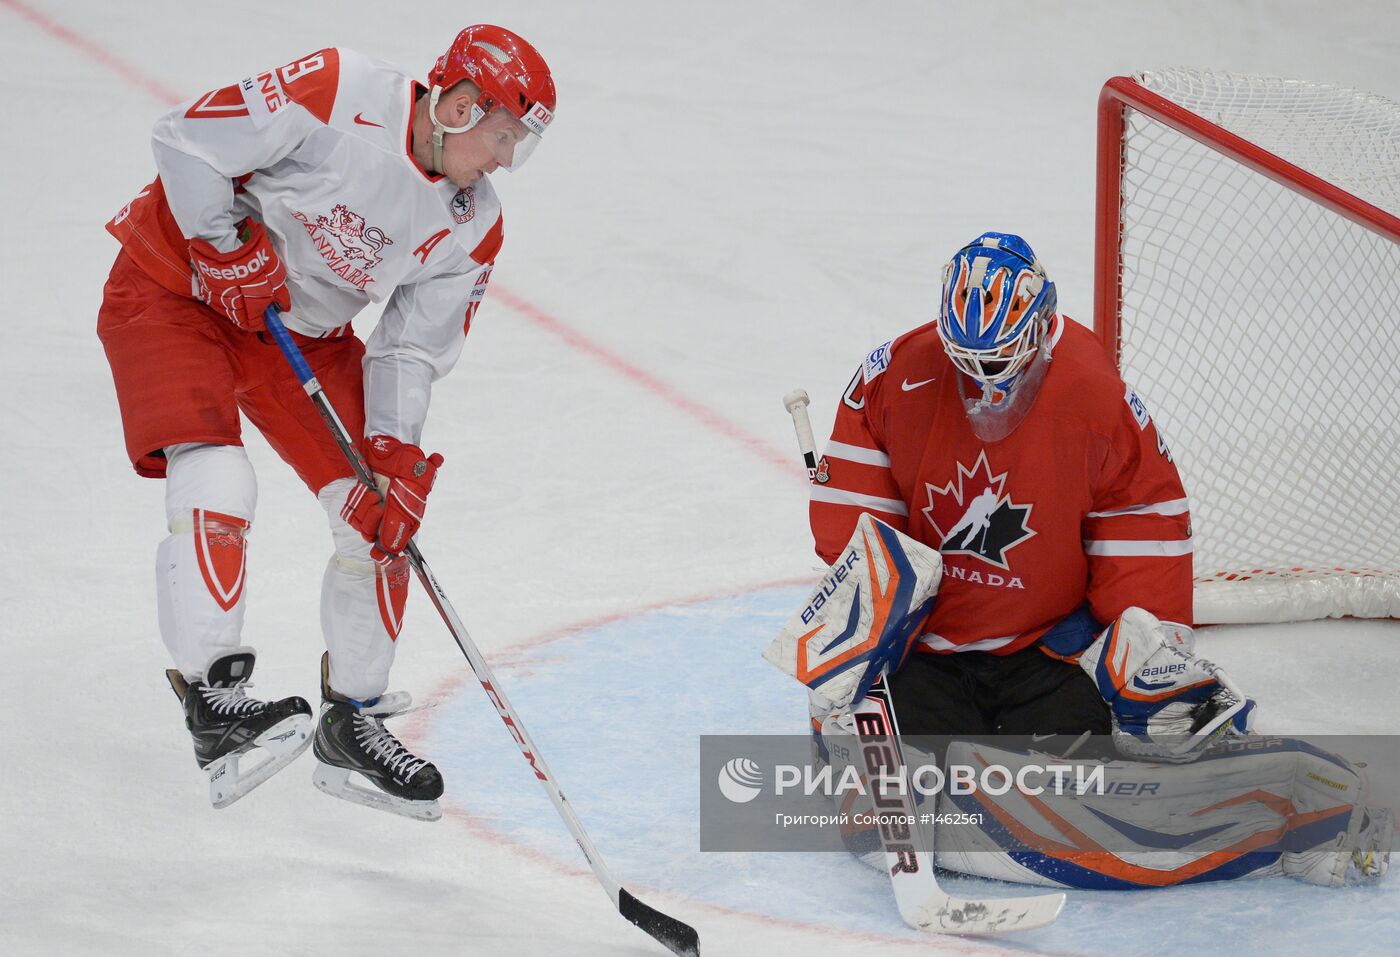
x=439 y=129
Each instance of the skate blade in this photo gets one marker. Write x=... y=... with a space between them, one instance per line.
x=337 y=783
x=281 y=744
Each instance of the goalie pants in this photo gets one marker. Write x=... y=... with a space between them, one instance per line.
x=183 y=375
x=975 y=694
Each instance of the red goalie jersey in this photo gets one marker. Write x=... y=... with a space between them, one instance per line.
x=1080 y=504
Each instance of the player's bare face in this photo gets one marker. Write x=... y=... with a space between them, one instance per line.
x=484 y=148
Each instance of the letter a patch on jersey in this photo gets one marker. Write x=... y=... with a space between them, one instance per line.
x=426 y=249
x=391 y=584
x=223 y=555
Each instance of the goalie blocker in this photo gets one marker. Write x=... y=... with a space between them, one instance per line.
x=863 y=617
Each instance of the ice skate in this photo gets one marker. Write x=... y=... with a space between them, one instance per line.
x=226 y=725
x=351 y=738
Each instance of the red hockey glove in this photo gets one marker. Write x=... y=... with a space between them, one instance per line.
x=405 y=477
x=243 y=283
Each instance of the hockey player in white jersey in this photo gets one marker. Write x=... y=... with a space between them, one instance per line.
x=317 y=187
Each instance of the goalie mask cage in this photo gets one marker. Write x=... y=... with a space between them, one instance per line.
x=1248 y=280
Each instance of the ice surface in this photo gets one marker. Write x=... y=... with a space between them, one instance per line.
x=736 y=199
x=628 y=755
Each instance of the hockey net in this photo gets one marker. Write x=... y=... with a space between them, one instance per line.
x=1248 y=277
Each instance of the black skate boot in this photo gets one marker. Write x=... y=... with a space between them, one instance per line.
x=350 y=736
x=226 y=724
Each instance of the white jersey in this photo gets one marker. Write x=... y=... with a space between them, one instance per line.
x=318 y=151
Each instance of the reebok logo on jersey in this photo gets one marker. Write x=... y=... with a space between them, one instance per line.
x=973 y=515
x=239 y=271
x=360 y=119
x=908 y=386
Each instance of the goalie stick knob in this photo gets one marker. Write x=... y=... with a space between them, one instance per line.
x=795 y=398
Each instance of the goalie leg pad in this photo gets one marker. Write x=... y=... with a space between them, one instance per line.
x=1352 y=851
x=1250 y=808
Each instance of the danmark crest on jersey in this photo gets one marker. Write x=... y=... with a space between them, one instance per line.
x=358 y=240
x=347 y=246
x=973 y=515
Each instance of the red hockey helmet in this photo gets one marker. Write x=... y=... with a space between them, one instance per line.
x=512 y=76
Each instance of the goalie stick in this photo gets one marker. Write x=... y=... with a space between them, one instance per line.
x=676 y=936
x=922 y=903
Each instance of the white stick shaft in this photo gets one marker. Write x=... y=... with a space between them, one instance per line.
x=796 y=403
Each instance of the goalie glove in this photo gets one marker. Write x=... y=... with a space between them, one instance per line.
x=1167 y=704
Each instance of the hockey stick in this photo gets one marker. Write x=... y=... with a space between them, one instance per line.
x=908 y=847
x=678 y=937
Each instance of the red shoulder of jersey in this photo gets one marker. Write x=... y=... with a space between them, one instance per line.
x=313 y=82
x=1086 y=368
x=912 y=359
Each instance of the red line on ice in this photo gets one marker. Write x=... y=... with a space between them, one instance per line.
x=95 y=50
x=638 y=376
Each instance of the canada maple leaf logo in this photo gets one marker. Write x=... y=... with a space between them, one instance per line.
x=973 y=515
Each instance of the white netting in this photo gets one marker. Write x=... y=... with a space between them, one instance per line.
x=1263 y=330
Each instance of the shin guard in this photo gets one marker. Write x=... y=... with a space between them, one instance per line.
x=362 y=606
x=201 y=569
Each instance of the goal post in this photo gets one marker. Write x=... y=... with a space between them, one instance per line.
x=1247 y=278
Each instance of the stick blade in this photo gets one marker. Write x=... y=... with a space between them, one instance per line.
x=677 y=937
x=952 y=915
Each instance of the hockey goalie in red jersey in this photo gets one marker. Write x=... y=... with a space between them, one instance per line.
x=317 y=187
x=1011 y=555
x=1001 y=436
